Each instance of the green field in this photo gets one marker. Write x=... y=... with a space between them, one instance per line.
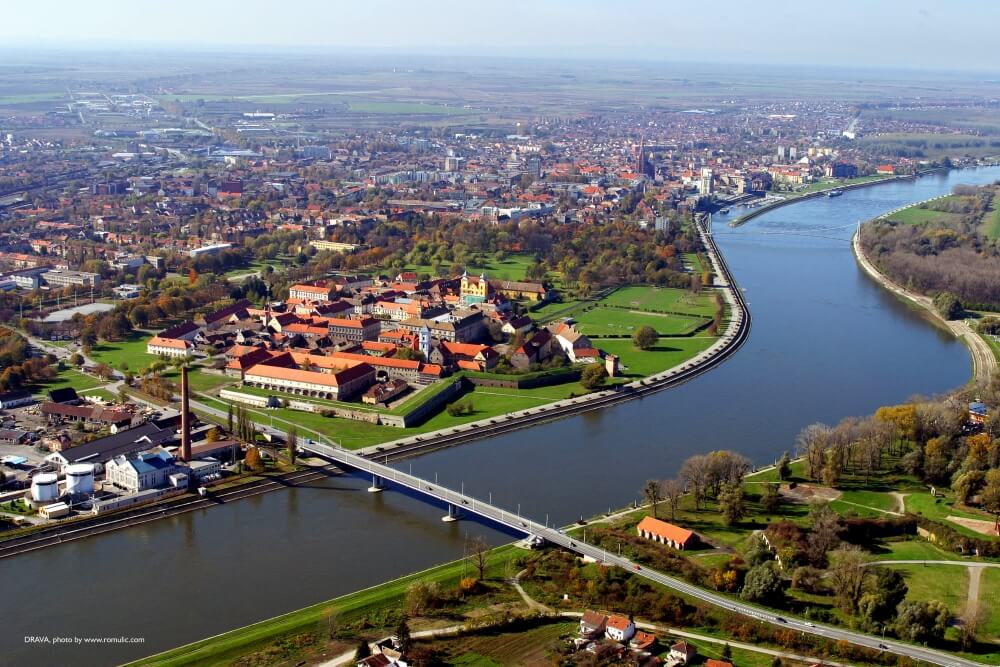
x=913 y=549
x=68 y=378
x=618 y=322
x=992 y=224
x=945 y=583
x=941 y=508
x=666 y=354
x=100 y=393
x=662 y=299
x=130 y=353
x=513 y=267
x=919 y=216
x=989 y=602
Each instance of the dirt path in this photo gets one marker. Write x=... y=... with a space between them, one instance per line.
x=972 y=599
x=983 y=361
x=900 y=501
x=528 y=600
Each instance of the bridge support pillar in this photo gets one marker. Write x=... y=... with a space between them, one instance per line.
x=377 y=484
x=452 y=515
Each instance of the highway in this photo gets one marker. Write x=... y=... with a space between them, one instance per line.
x=513 y=520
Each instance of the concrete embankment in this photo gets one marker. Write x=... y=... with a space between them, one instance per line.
x=747 y=217
x=984 y=363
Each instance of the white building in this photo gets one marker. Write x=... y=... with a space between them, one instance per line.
x=209 y=249
x=169 y=347
x=620 y=629
x=148 y=470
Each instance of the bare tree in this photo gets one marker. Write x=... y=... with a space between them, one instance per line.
x=673 y=491
x=811 y=444
x=847 y=576
x=478 y=551
x=695 y=473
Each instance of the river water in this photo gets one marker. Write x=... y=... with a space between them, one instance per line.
x=826 y=342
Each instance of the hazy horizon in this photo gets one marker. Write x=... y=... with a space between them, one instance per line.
x=851 y=34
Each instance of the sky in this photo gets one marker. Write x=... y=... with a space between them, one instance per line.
x=913 y=34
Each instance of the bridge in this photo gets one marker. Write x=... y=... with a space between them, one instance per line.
x=459 y=502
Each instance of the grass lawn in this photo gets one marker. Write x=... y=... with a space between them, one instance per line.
x=918 y=216
x=68 y=378
x=513 y=267
x=992 y=222
x=911 y=549
x=387 y=597
x=554 y=310
x=989 y=602
x=201 y=381
x=941 y=508
x=101 y=393
x=667 y=353
x=668 y=299
x=945 y=583
x=874 y=499
x=352 y=434
x=619 y=322
x=130 y=353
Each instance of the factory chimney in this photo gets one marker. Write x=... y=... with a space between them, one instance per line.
x=185 y=417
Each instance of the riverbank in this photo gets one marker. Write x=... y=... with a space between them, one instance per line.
x=747 y=217
x=984 y=363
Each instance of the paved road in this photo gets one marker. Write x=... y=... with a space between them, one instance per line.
x=554 y=536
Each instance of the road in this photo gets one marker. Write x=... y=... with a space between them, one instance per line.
x=554 y=536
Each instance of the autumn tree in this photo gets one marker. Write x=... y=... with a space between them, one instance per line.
x=253 y=460
x=732 y=503
x=847 y=576
x=593 y=376
x=784 y=467
x=645 y=337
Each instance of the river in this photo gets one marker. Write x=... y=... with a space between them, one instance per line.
x=826 y=343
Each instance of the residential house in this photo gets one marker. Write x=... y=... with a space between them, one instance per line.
x=682 y=653
x=593 y=624
x=619 y=628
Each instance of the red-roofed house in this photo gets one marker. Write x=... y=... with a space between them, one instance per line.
x=620 y=628
x=666 y=533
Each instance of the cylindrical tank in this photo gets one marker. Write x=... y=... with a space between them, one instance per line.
x=80 y=479
x=44 y=487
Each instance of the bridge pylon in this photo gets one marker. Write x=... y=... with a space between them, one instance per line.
x=378 y=484
x=452 y=515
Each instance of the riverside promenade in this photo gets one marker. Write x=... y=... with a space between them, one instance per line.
x=984 y=363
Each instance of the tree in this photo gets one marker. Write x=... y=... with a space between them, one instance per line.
x=831 y=468
x=922 y=622
x=695 y=472
x=886 y=588
x=969 y=625
x=403 y=640
x=763 y=584
x=948 y=306
x=421 y=596
x=229 y=418
x=991 y=492
x=76 y=359
x=253 y=460
x=593 y=376
x=292 y=438
x=479 y=550
x=811 y=443
x=784 y=467
x=807 y=578
x=770 y=500
x=653 y=494
x=824 y=535
x=645 y=337
x=673 y=491
x=732 y=502
x=847 y=576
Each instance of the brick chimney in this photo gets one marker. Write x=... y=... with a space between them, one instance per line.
x=185 y=417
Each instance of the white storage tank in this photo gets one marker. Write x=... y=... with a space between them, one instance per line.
x=44 y=487
x=80 y=479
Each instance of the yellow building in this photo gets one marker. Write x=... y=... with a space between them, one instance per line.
x=474 y=290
